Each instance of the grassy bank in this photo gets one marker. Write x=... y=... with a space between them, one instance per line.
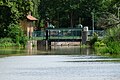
x=111 y=43
x=12 y=51
x=6 y=42
x=8 y=47
x=14 y=37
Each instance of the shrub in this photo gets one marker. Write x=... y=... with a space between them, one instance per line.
x=94 y=39
x=113 y=47
x=111 y=40
x=103 y=49
x=6 y=42
x=23 y=40
x=112 y=34
x=3 y=40
x=99 y=44
x=17 y=35
x=15 y=32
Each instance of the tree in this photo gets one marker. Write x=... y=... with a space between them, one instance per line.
x=109 y=16
x=68 y=12
x=12 y=11
x=108 y=20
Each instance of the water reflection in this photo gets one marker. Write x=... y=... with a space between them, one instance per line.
x=8 y=51
x=60 y=50
x=53 y=50
x=71 y=50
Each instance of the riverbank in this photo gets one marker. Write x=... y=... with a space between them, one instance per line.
x=11 y=51
x=54 y=50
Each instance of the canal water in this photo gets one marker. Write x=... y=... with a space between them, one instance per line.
x=58 y=63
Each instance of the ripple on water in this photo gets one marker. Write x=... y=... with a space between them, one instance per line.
x=57 y=68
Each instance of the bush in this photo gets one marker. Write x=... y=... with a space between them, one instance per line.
x=6 y=42
x=99 y=44
x=111 y=40
x=113 y=47
x=3 y=40
x=23 y=40
x=15 y=32
x=103 y=49
x=94 y=39
x=17 y=35
x=112 y=34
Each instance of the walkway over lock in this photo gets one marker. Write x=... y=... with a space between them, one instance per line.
x=58 y=34
x=71 y=34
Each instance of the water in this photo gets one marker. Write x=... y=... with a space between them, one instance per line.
x=59 y=63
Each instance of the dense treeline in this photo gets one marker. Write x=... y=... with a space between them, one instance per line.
x=62 y=13
x=69 y=13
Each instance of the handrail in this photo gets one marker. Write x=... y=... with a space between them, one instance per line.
x=64 y=33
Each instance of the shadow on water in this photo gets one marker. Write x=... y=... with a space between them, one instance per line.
x=71 y=50
x=77 y=53
x=60 y=50
x=42 y=50
x=11 y=51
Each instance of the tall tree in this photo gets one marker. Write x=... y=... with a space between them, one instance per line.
x=109 y=15
x=11 y=11
x=68 y=12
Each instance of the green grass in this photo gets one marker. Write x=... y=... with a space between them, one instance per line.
x=6 y=52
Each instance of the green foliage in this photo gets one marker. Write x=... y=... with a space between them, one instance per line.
x=112 y=34
x=5 y=20
x=84 y=46
x=107 y=20
x=99 y=44
x=6 y=42
x=112 y=41
x=94 y=39
x=68 y=12
x=101 y=50
x=17 y=35
x=42 y=23
x=35 y=9
x=20 y=8
x=113 y=47
x=108 y=17
x=113 y=6
x=65 y=12
x=23 y=40
x=14 y=32
x=3 y=40
x=11 y=12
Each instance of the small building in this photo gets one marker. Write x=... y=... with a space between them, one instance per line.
x=27 y=25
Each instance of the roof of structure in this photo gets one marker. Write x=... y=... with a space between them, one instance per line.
x=29 y=17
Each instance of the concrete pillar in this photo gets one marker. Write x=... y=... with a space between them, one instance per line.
x=85 y=35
